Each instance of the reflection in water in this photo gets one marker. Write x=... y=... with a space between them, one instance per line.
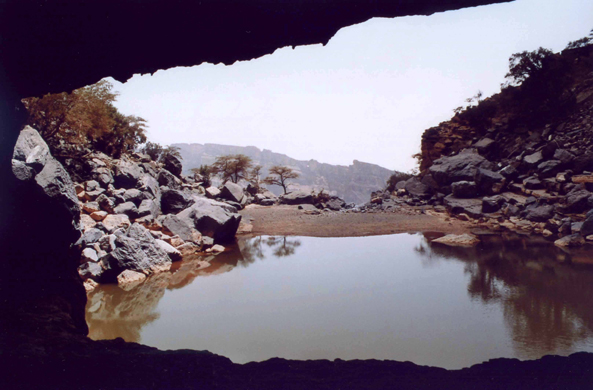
x=546 y=299
x=114 y=312
x=389 y=297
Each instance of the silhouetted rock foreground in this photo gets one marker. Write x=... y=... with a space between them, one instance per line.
x=79 y=363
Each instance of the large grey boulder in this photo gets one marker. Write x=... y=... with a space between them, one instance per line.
x=175 y=226
x=461 y=167
x=149 y=185
x=471 y=207
x=174 y=201
x=464 y=189
x=127 y=208
x=577 y=201
x=488 y=182
x=533 y=160
x=138 y=251
x=33 y=161
x=213 y=219
x=148 y=207
x=127 y=174
x=417 y=189
x=231 y=191
x=296 y=197
x=133 y=195
x=172 y=164
x=212 y=192
x=540 y=213
x=173 y=253
x=167 y=179
x=587 y=227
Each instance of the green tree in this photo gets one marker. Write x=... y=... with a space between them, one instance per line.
x=527 y=64
x=254 y=176
x=85 y=118
x=280 y=176
x=233 y=167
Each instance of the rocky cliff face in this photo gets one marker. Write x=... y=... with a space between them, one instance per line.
x=353 y=183
x=520 y=160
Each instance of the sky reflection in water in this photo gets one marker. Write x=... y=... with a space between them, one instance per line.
x=384 y=297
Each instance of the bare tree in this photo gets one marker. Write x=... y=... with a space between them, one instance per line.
x=279 y=175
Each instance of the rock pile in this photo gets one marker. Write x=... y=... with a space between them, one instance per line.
x=137 y=216
x=513 y=171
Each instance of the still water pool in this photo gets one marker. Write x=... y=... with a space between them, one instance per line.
x=394 y=297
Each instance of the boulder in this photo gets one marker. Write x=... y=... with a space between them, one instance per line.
x=461 y=167
x=173 y=225
x=127 y=174
x=31 y=149
x=471 y=207
x=213 y=219
x=128 y=208
x=148 y=207
x=188 y=248
x=577 y=201
x=113 y=222
x=91 y=270
x=231 y=191
x=533 y=160
x=92 y=195
x=92 y=185
x=91 y=236
x=167 y=179
x=417 y=189
x=464 y=240
x=485 y=145
x=549 y=168
x=564 y=156
x=138 y=251
x=102 y=175
x=172 y=164
x=509 y=172
x=150 y=186
x=540 y=213
x=533 y=183
x=173 y=201
x=89 y=254
x=91 y=207
x=587 y=226
x=213 y=192
x=86 y=222
x=173 y=253
x=133 y=195
x=307 y=207
x=99 y=215
x=335 y=203
x=573 y=240
x=267 y=202
x=296 y=197
x=492 y=204
x=464 y=189
x=106 y=203
x=488 y=182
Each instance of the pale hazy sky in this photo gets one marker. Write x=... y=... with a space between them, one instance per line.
x=367 y=95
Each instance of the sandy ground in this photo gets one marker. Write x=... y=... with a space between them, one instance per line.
x=290 y=221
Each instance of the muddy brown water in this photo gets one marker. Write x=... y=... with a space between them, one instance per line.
x=394 y=297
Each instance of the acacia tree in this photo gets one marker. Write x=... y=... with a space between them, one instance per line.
x=279 y=175
x=527 y=64
x=85 y=118
x=233 y=167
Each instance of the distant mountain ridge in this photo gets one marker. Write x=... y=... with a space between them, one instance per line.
x=353 y=183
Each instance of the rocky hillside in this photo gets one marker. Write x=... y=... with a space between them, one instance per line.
x=353 y=183
x=519 y=160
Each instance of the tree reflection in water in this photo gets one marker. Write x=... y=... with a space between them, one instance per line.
x=545 y=294
x=115 y=312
